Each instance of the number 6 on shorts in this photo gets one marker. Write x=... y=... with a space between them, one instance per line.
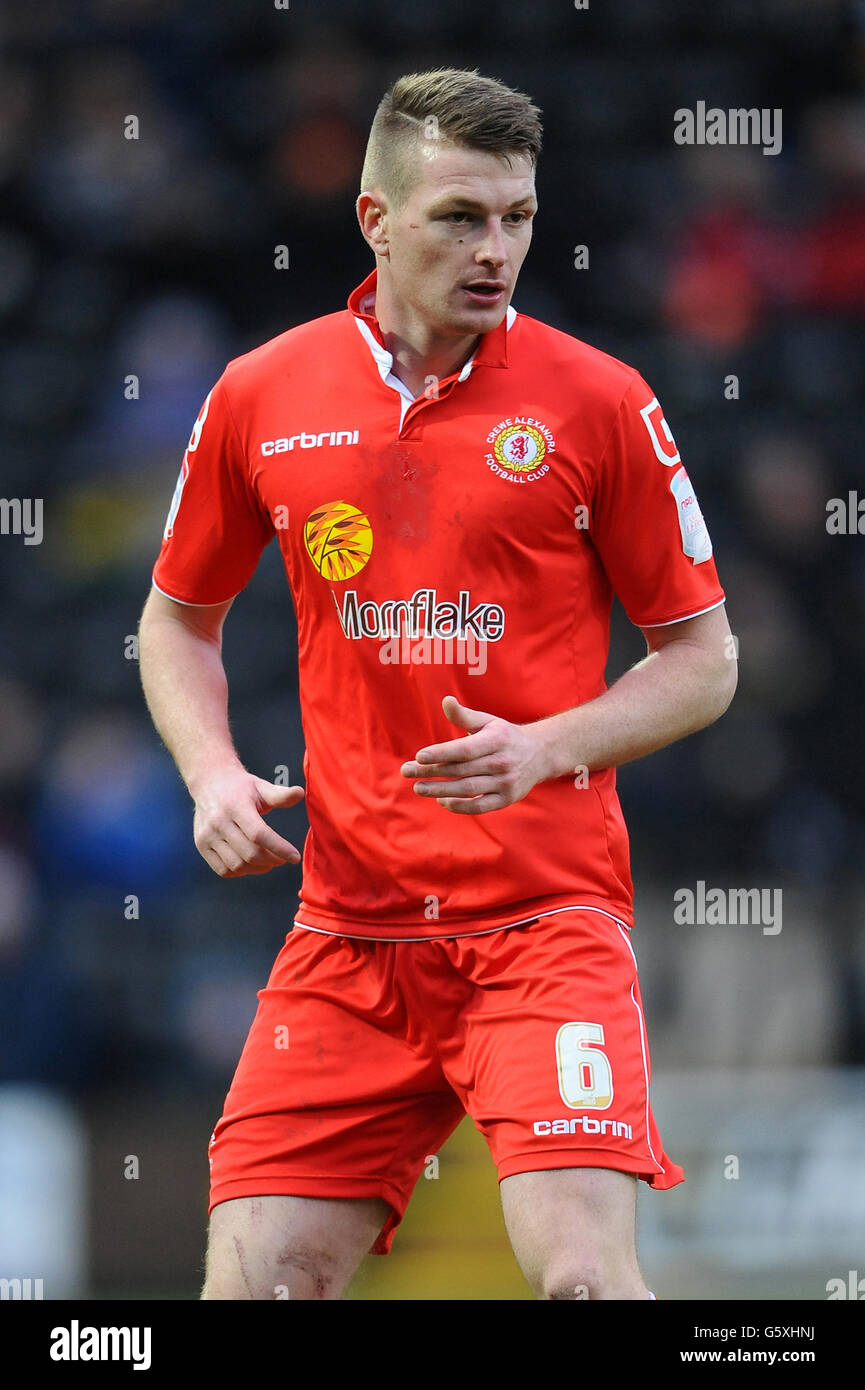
x=585 y=1074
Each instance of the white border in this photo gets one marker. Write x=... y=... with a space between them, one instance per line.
x=384 y=361
x=643 y=1049
x=673 y=621
x=451 y=936
x=187 y=604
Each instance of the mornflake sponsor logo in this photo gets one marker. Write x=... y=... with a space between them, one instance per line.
x=310 y=441
x=587 y=1123
x=77 y=1343
x=441 y=618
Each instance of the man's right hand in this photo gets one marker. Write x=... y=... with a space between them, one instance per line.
x=229 y=830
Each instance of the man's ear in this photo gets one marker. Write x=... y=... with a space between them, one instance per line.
x=372 y=218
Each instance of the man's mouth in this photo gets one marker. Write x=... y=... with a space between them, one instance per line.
x=484 y=291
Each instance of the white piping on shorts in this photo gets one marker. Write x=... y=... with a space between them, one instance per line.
x=643 y=1050
x=450 y=936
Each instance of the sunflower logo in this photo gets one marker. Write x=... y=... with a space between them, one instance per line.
x=338 y=540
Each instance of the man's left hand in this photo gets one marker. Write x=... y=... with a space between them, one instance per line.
x=495 y=764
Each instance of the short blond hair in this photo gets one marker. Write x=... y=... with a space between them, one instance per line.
x=453 y=104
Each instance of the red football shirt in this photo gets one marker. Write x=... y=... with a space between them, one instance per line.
x=468 y=542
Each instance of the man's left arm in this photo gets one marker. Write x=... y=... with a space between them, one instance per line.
x=684 y=683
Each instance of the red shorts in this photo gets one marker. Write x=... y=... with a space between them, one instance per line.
x=364 y=1056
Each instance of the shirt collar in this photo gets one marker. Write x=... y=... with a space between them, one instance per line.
x=491 y=351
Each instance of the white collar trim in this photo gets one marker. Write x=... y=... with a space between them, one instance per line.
x=384 y=359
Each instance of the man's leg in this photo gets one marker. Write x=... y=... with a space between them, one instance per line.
x=326 y=1126
x=551 y=1060
x=289 y=1247
x=573 y=1232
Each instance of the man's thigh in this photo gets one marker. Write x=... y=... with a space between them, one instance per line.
x=573 y=1232
x=337 y=1095
x=276 y=1247
x=550 y=1058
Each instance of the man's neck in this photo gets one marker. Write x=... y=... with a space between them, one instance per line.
x=419 y=368
x=420 y=357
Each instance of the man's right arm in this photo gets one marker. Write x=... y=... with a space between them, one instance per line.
x=180 y=651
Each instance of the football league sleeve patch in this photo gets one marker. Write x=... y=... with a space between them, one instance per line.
x=646 y=520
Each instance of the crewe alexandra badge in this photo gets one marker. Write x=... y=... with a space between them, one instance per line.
x=518 y=448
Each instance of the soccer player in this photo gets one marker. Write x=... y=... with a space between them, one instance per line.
x=457 y=491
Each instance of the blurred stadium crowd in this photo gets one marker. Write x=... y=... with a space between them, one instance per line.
x=123 y=960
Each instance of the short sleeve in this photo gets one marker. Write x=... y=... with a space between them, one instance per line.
x=216 y=527
x=646 y=523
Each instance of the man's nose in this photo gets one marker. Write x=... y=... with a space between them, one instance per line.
x=492 y=247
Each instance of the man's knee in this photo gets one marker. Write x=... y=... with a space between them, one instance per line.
x=288 y=1247
x=581 y=1278
x=296 y=1271
x=574 y=1279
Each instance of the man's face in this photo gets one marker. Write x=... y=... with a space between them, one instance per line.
x=456 y=247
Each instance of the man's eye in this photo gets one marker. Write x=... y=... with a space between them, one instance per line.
x=456 y=216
